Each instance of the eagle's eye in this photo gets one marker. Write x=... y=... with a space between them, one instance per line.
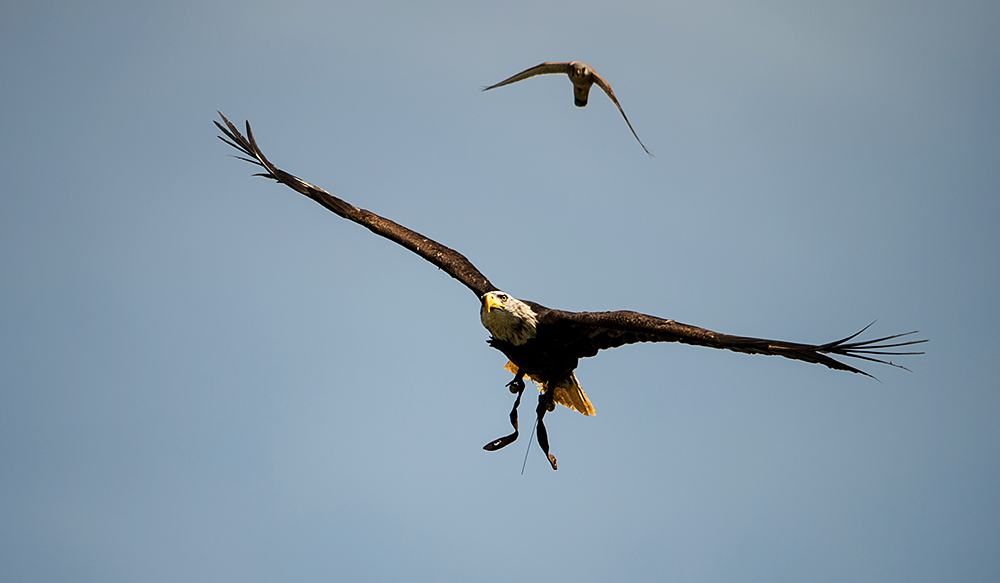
x=502 y=297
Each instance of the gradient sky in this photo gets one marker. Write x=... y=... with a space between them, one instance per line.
x=205 y=376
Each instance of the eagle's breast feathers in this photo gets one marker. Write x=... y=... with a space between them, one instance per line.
x=514 y=324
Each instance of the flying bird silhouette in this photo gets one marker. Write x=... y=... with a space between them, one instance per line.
x=582 y=76
x=545 y=345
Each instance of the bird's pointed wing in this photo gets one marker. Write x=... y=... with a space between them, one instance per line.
x=451 y=261
x=589 y=332
x=543 y=69
x=607 y=90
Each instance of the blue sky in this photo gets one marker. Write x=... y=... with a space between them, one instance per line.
x=205 y=376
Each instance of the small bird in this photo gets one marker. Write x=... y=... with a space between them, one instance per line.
x=582 y=76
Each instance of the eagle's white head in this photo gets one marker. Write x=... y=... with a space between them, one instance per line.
x=508 y=318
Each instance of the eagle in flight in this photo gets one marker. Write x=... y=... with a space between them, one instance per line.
x=582 y=76
x=545 y=345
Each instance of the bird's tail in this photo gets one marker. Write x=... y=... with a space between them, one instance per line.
x=568 y=393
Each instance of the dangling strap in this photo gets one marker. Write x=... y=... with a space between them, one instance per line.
x=515 y=386
x=544 y=402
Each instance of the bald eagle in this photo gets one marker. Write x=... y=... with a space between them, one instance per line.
x=545 y=345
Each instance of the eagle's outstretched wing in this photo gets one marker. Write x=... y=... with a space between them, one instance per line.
x=451 y=261
x=588 y=332
x=542 y=69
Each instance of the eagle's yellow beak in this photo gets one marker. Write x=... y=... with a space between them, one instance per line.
x=492 y=302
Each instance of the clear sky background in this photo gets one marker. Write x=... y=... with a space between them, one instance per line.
x=205 y=376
